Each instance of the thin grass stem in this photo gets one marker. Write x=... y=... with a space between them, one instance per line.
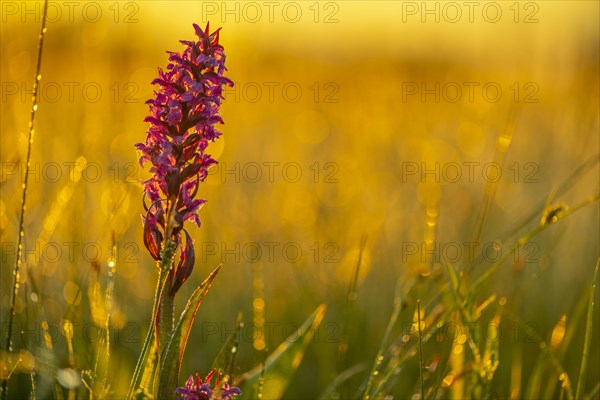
x=490 y=271
x=587 y=344
x=15 y=286
x=420 y=351
x=502 y=145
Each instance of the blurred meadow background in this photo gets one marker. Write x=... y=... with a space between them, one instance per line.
x=342 y=140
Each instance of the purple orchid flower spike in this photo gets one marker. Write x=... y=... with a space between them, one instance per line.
x=183 y=115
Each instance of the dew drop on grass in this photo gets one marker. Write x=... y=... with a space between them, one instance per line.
x=448 y=380
x=503 y=143
x=558 y=333
x=68 y=378
x=424 y=272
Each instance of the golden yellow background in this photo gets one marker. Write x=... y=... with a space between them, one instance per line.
x=350 y=60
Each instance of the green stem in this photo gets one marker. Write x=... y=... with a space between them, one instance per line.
x=165 y=315
x=160 y=311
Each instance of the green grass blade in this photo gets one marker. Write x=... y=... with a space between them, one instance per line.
x=400 y=294
x=526 y=238
x=594 y=392
x=443 y=368
x=420 y=350
x=400 y=353
x=570 y=333
x=226 y=356
x=379 y=358
x=534 y=383
x=502 y=145
x=147 y=361
x=563 y=188
x=174 y=349
x=351 y=298
x=588 y=338
x=280 y=366
x=546 y=354
x=453 y=279
x=340 y=379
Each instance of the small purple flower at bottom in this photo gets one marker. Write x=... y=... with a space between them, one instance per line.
x=229 y=392
x=196 y=389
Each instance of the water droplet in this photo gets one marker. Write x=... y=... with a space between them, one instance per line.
x=68 y=378
x=553 y=213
